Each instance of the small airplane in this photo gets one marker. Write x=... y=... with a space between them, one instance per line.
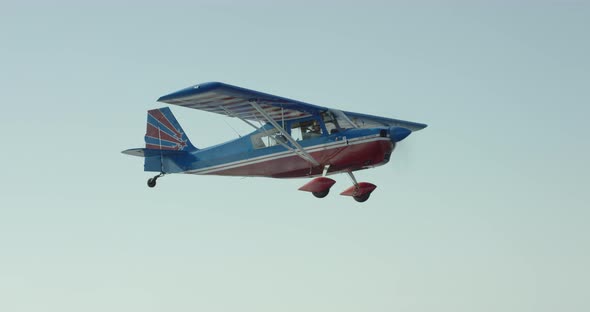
x=291 y=139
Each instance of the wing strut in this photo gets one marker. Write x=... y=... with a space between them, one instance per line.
x=231 y=114
x=299 y=149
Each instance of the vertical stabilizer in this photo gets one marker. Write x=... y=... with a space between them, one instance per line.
x=165 y=133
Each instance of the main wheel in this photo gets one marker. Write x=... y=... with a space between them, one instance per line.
x=321 y=194
x=151 y=182
x=362 y=198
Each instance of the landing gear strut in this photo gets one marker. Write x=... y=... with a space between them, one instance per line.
x=361 y=197
x=151 y=182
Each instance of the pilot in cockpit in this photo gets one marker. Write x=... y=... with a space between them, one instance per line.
x=312 y=131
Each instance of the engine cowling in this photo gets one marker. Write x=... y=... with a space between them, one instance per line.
x=398 y=133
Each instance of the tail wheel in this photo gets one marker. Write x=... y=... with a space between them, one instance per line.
x=151 y=182
x=321 y=194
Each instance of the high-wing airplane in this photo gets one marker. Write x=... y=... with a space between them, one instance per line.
x=291 y=139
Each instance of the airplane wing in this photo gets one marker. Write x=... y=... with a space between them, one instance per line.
x=370 y=121
x=234 y=101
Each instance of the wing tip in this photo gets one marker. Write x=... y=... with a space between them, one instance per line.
x=421 y=126
x=192 y=90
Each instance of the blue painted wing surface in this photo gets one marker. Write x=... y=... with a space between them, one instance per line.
x=370 y=121
x=235 y=101
x=225 y=99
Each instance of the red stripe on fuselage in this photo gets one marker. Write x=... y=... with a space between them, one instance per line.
x=347 y=157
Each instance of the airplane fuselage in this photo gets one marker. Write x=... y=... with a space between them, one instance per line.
x=348 y=150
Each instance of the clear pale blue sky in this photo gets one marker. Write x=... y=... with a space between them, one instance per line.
x=485 y=210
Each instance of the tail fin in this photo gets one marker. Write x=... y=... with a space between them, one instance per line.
x=165 y=133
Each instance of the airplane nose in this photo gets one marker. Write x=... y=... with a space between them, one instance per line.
x=398 y=133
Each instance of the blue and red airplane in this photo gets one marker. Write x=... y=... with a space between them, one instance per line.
x=291 y=139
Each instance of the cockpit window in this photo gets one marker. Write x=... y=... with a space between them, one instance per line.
x=267 y=138
x=341 y=120
x=305 y=130
x=330 y=122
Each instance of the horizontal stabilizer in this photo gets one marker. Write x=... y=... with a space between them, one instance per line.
x=148 y=152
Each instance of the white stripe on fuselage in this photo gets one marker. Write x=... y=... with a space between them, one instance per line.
x=259 y=159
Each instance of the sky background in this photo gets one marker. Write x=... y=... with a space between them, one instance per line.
x=484 y=210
